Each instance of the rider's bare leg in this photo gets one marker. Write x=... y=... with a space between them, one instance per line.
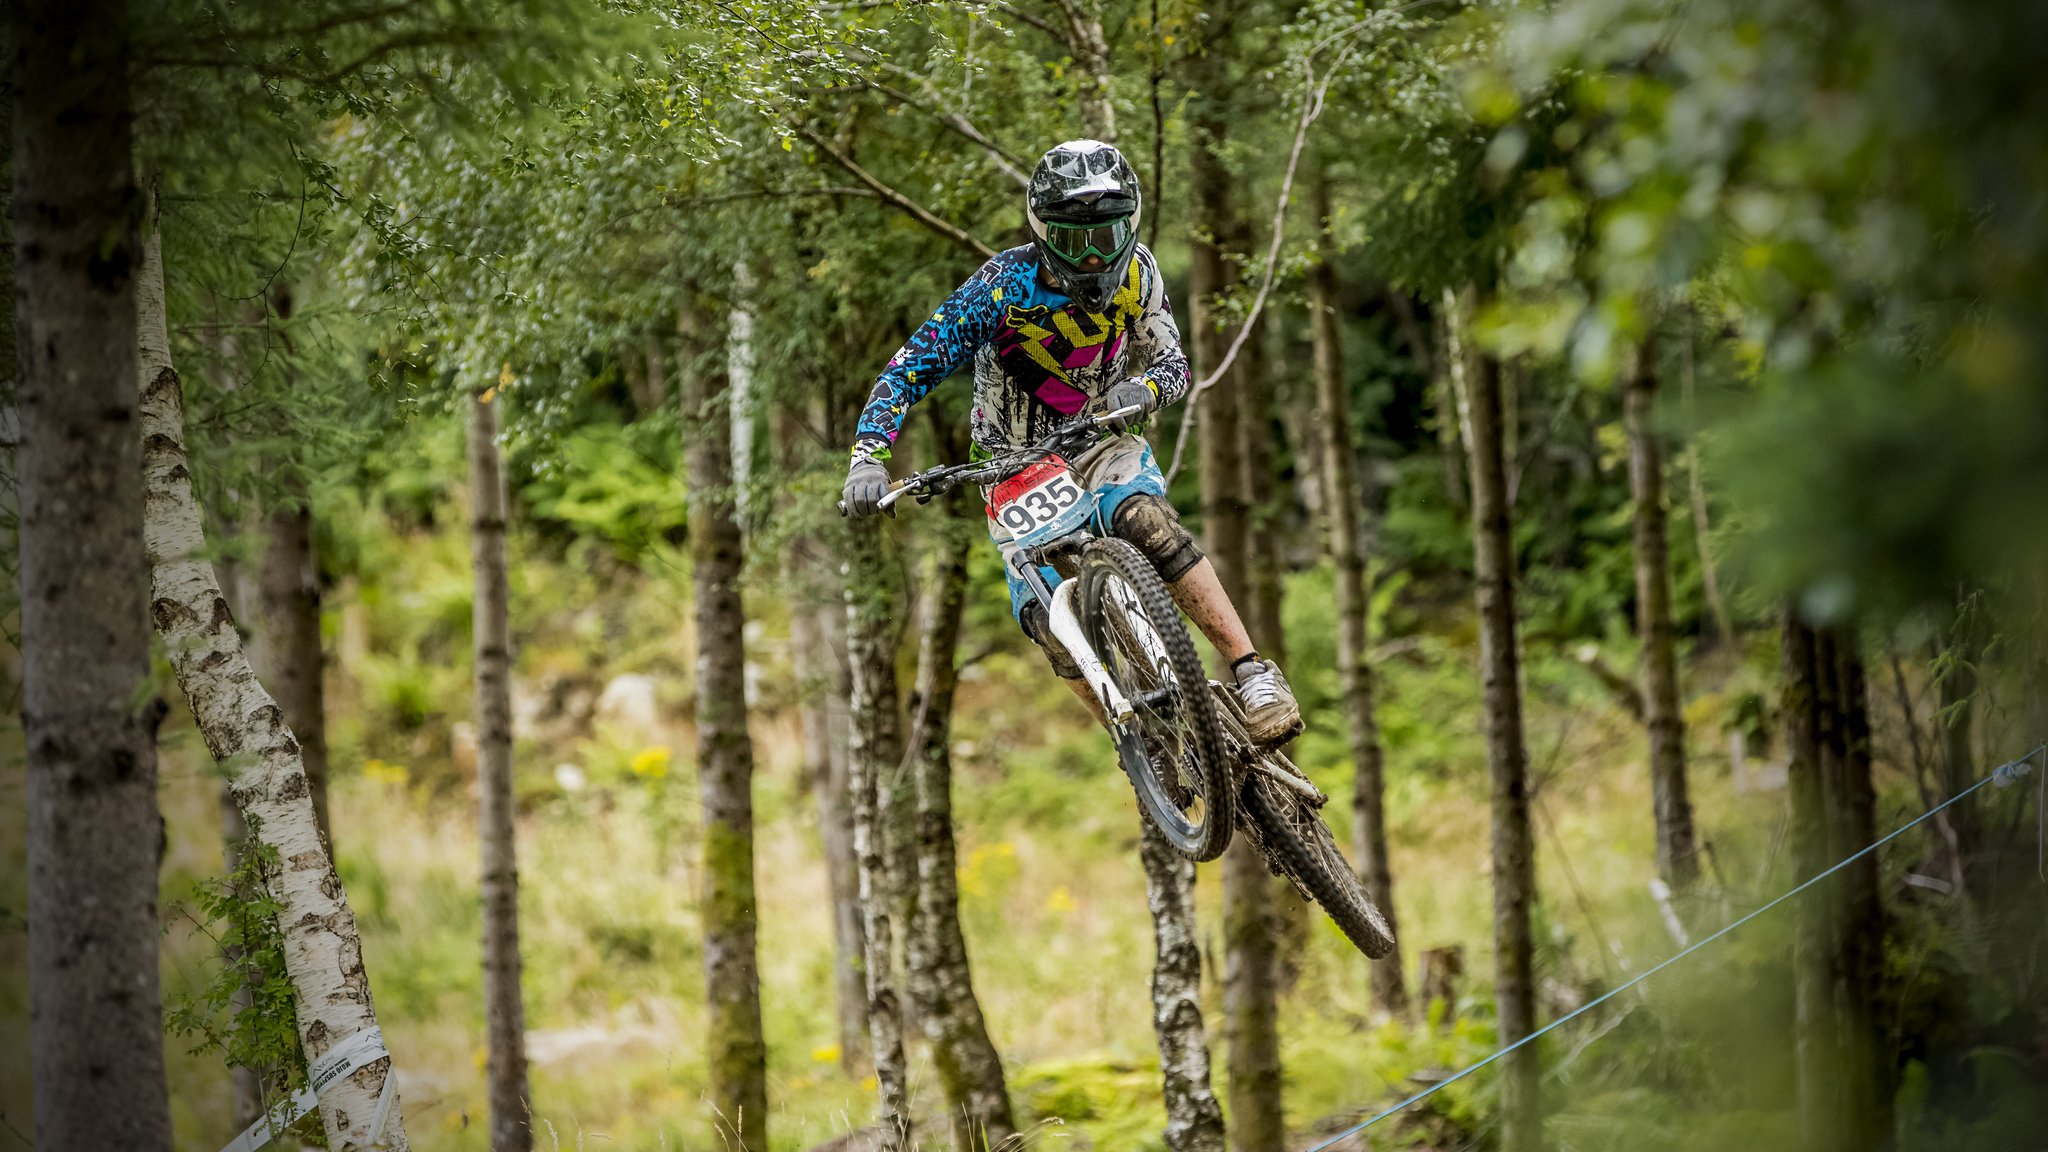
x=1200 y=594
x=1088 y=698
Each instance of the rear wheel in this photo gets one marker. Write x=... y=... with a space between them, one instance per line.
x=1299 y=845
x=1171 y=747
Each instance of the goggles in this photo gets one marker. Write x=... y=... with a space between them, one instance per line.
x=1106 y=240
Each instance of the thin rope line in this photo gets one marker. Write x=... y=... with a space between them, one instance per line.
x=2002 y=775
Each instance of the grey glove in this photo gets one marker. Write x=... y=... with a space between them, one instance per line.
x=1136 y=391
x=866 y=483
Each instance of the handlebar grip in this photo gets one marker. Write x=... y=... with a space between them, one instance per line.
x=888 y=501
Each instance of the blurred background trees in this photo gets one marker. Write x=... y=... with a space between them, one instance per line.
x=1702 y=342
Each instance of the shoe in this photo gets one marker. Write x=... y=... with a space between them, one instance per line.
x=1270 y=714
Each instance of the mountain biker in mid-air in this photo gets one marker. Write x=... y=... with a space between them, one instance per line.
x=1078 y=317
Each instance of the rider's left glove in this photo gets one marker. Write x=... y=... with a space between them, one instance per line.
x=866 y=483
x=1136 y=392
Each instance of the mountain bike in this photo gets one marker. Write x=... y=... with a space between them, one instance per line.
x=1180 y=737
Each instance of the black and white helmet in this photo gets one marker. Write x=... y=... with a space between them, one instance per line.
x=1083 y=206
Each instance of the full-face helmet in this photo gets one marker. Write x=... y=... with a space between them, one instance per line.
x=1083 y=206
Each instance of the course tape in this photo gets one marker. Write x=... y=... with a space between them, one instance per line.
x=2004 y=775
x=358 y=1051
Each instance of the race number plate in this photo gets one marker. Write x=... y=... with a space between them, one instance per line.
x=1034 y=497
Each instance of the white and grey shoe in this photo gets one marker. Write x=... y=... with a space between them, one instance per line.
x=1270 y=714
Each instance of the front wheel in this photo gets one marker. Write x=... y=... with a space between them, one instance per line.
x=1172 y=745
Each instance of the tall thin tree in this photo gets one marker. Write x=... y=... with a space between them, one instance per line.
x=1817 y=1060
x=736 y=1052
x=876 y=751
x=1677 y=860
x=1249 y=1004
x=1867 y=1074
x=817 y=637
x=287 y=647
x=1343 y=505
x=970 y=1069
x=94 y=833
x=287 y=650
x=1257 y=906
x=1194 y=1117
x=245 y=732
x=1514 y=871
x=504 y=1005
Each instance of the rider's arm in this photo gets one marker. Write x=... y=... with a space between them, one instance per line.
x=1155 y=347
x=965 y=322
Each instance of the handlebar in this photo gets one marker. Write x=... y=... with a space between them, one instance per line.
x=934 y=481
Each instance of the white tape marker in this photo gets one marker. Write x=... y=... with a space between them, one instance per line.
x=358 y=1051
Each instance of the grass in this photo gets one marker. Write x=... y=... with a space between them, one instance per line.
x=1053 y=896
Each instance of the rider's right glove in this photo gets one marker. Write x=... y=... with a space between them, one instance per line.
x=866 y=483
x=1136 y=392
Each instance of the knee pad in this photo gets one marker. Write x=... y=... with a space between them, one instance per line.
x=1039 y=627
x=1151 y=525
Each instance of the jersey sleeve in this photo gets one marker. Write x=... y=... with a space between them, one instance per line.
x=1156 y=342
x=959 y=327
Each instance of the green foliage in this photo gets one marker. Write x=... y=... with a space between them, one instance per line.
x=614 y=483
x=372 y=211
x=245 y=1010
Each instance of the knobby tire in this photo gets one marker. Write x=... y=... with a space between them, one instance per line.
x=1300 y=845
x=1106 y=556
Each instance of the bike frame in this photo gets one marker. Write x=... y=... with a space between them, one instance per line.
x=1061 y=615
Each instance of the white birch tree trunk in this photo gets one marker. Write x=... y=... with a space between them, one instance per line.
x=245 y=731
x=739 y=372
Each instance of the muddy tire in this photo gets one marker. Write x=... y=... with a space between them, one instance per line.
x=1299 y=844
x=1172 y=749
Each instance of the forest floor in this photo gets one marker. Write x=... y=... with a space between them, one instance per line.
x=1053 y=907
x=1053 y=899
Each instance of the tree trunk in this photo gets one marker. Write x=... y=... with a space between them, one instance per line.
x=734 y=1048
x=1090 y=51
x=1961 y=649
x=1859 y=970
x=504 y=1005
x=821 y=678
x=1258 y=908
x=1354 y=596
x=1677 y=861
x=1817 y=1059
x=1287 y=918
x=739 y=346
x=94 y=833
x=970 y=1069
x=1514 y=870
x=245 y=731
x=817 y=634
x=1702 y=529
x=1249 y=1007
x=287 y=653
x=1194 y=1118
x=874 y=759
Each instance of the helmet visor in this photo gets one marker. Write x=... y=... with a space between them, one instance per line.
x=1105 y=239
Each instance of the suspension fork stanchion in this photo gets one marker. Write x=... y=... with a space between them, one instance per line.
x=1066 y=628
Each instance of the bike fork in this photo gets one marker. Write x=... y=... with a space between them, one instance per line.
x=1066 y=628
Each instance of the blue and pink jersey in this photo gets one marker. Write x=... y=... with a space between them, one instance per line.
x=1039 y=358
